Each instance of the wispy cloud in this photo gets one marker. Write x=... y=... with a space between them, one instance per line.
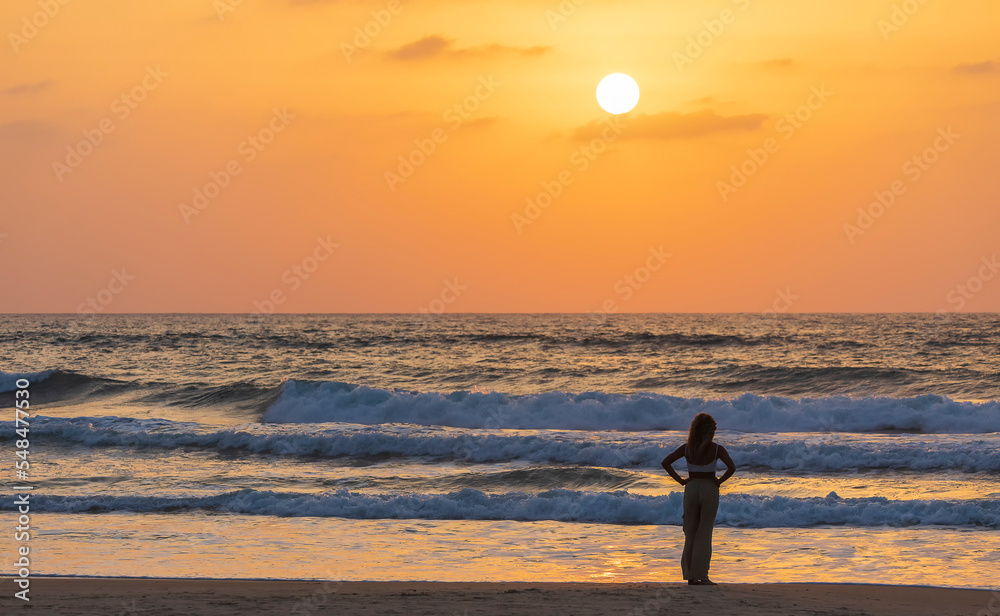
x=479 y=122
x=979 y=68
x=779 y=63
x=28 y=88
x=675 y=125
x=30 y=131
x=437 y=46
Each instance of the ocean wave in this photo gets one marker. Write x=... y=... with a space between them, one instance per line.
x=195 y=395
x=804 y=455
x=67 y=386
x=64 y=387
x=738 y=510
x=308 y=397
x=8 y=380
x=415 y=331
x=318 y=402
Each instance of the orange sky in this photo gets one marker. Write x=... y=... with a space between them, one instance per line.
x=290 y=117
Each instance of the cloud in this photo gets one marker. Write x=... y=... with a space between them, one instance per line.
x=427 y=47
x=478 y=122
x=980 y=68
x=675 y=125
x=779 y=63
x=27 y=88
x=437 y=46
x=31 y=131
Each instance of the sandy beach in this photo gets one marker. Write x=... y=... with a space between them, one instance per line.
x=117 y=596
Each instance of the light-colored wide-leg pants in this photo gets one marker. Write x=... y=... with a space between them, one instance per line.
x=701 y=503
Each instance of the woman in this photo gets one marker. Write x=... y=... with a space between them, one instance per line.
x=701 y=495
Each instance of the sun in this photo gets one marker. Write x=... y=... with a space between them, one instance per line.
x=617 y=93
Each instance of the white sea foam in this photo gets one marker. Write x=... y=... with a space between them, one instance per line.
x=801 y=453
x=561 y=505
x=311 y=402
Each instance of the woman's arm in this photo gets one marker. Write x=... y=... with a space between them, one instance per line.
x=730 y=466
x=667 y=464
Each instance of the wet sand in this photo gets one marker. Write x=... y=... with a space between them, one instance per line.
x=128 y=596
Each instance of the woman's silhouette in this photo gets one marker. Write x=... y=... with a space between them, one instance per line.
x=701 y=495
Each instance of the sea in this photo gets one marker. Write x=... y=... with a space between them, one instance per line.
x=502 y=447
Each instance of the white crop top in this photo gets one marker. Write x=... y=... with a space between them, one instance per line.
x=702 y=468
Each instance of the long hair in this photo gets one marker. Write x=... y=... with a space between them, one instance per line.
x=700 y=436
